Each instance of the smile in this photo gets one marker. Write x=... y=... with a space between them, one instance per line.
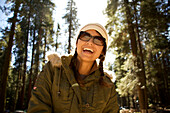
x=88 y=50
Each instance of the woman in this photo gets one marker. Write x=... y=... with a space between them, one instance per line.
x=75 y=84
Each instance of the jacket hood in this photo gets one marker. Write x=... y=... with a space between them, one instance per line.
x=54 y=59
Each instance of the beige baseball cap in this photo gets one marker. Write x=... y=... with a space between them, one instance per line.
x=98 y=27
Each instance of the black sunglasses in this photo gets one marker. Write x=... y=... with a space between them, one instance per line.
x=98 y=40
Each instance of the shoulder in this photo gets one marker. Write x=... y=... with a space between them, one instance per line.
x=109 y=76
x=54 y=63
x=56 y=60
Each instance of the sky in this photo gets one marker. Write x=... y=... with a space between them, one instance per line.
x=92 y=11
x=88 y=11
x=3 y=18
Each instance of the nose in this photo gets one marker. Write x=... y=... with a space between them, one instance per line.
x=90 y=41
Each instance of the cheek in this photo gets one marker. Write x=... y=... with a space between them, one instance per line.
x=78 y=45
x=99 y=51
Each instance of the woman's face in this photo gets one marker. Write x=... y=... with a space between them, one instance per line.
x=87 y=50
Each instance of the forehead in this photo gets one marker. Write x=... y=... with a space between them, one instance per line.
x=93 y=32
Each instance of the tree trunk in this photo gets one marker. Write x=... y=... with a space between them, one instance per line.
x=128 y=100
x=37 y=54
x=30 y=75
x=45 y=45
x=8 y=59
x=165 y=78
x=161 y=79
x=142 y=87
x=57 y=36
x=70 y=28
x=133 y=101
x=25 y=67
x=141 y=64
x=69 y=40
x=16 y=92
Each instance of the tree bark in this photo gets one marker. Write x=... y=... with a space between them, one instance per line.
x=16 y=92
x=37 y=53
x=141 y=63
x=45 y=45
x=8 y=58
x=57 y=36
x=30 y=75
x=165 y=78
x=70 y=28
x=142 y=87
x=25 y=66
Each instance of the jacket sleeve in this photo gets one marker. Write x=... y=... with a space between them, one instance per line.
x=40 y=100
x=112 y=105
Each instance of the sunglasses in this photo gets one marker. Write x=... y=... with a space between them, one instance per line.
x=98 y=40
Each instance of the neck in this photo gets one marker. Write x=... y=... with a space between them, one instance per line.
x=84 y=67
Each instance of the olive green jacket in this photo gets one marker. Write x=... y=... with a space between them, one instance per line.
x=57 y=91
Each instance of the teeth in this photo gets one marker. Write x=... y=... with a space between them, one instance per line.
x=88 y=49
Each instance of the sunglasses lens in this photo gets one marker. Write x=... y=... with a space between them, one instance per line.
x=85 y=38
x=98 y=40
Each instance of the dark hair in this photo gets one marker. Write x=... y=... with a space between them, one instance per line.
x=75 y=69
x=101 y=80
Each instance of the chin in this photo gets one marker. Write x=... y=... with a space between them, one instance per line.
x=86 y=58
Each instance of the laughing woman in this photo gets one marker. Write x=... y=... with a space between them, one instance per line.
x=76 y=84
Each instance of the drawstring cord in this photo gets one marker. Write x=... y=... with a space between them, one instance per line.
x=58 y=92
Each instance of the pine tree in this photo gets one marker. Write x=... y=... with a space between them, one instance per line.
x=57 y=36
x=155 y=27
x=71 y=20
x=18 y=54
x=7 y=57
x=145 y=24
x=33 y=28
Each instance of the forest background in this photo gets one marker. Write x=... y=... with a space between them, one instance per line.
x=139 y=35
